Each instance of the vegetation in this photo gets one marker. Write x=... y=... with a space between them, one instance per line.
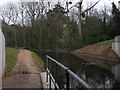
x=55 y=28
x=106 y=43
x=38 y=61
x=11 y=58
x=104 y=67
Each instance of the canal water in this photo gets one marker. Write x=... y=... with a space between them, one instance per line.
x=95 y=76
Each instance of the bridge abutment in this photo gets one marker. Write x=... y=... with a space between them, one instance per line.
x=116 y=48
x=2 y=55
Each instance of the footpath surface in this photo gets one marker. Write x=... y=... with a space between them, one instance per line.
x=25 y=74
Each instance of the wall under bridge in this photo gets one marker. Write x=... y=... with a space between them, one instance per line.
x=116 y=48
x=116 y=45
x=2 y=55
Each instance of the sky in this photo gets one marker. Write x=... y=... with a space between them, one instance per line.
x=99 y=6
x=101 y=3
x=85 y=4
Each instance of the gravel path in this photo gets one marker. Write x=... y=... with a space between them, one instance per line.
x=25 y=74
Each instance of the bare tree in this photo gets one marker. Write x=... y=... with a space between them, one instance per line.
x=14 y=12
x=7 y=13
x=81 y=13
x=10 y=16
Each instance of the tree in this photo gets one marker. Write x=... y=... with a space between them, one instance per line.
x=11 y=13
x=56 y=19
x=115 y=22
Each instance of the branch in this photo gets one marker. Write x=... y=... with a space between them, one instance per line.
x=73 y=6
x=76 y=4
x=90 y=7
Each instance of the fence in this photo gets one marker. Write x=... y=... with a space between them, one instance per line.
x=2 y=55
x=69 y=78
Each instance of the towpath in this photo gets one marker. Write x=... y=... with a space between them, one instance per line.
x=25 y=74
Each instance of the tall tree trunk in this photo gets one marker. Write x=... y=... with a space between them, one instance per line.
x=15 y=38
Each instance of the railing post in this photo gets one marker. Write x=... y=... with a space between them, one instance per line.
x=56 y=72
x=67 y=80
x=46 y=68
x=49 y=82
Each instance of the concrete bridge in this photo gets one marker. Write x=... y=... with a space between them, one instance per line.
x=2 y=55
x=116 y=48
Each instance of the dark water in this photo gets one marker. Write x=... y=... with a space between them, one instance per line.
x=95 y=76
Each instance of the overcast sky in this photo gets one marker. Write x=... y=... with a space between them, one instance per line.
x=99 y=5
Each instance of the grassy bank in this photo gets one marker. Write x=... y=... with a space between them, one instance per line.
x=106 y=43
x=11 y=58
x=38 y=61
x=101 y=49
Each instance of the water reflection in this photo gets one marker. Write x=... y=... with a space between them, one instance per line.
x=95 y=76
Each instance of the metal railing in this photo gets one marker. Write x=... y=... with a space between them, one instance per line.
x=68 y=73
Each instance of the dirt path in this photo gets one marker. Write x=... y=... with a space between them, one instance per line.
x=25 y=74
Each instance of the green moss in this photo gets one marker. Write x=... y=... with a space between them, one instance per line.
x=106 y=43
x=11 y=58
x=38 y=61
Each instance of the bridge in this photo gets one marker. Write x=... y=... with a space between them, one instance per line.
x=116 y=48
x=2 y=55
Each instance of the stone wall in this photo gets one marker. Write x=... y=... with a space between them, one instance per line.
x=2 y=56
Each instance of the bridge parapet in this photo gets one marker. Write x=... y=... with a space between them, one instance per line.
x=2 y=55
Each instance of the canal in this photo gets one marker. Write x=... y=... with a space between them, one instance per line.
x=94 y=75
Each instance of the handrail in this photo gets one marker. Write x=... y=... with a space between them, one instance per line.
x=68 y=72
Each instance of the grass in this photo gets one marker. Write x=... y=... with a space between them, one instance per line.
x=11 y=58
x=106 y=43
x=104 y=67
x=38 y=61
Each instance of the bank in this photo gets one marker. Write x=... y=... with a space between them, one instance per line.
x=105 y=54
